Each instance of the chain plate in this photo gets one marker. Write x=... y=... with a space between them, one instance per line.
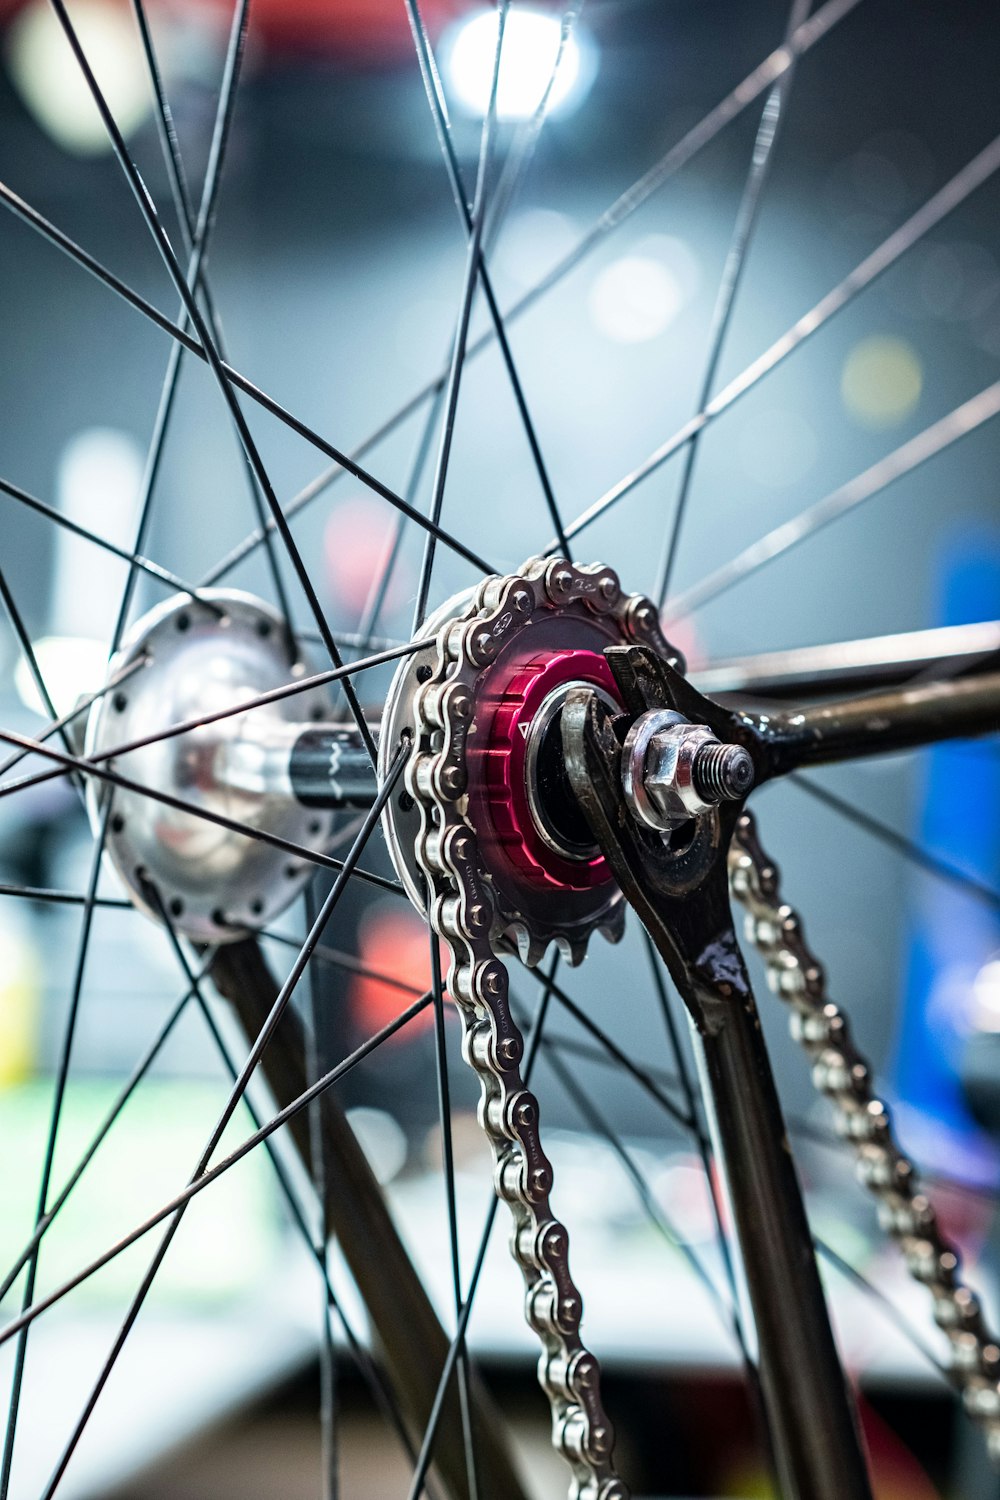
x=462 y=909
x=844 y=1076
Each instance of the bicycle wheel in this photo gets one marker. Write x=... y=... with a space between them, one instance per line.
x=235 y=620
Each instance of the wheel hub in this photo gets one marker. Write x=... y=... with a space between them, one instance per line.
x=200 y=657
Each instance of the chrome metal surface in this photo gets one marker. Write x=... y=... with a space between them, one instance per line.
x=549 y=604
x=216 y=883
x=887 y=659
x=545 y=721
x=673 y=770
x=844 y=1076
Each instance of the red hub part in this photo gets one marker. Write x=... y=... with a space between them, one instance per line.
x=508 y=766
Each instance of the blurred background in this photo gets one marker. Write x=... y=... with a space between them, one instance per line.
x=336 y=264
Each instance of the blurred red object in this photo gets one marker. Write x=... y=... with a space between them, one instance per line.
x=358 y=31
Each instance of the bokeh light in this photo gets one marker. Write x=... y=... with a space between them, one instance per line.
x=530 y=48
x=881 y=381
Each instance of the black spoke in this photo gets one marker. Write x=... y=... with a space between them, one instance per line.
x=617 y=213
x=212 y=1174
x=314 y=1059
x=439 y=110
x=927 y=444
x=732 y=273
x=144 y=564
x=448 y=1164
x=273 y=695
x=375 y=603
x=51 y=1139
x=462 y=329
x=116 y=779
x=885 y=1304
x=134 y=1079
x=597 y=1122
x=899 y=843
x=31 y=661
x=519 y=157
x=237 y=1093
x=63 y=898
x=419 y=1480
x=936 y=209
x=58 y=726
x=643 y=1077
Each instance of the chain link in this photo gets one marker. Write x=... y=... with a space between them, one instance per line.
x=462 y=910
x=844 y=1076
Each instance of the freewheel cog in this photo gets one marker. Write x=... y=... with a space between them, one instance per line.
x=482 y=703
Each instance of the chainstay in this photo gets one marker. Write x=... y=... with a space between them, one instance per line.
x=461 y=910
x=844 y=1076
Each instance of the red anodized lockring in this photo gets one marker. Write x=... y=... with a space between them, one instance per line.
x=525 y=705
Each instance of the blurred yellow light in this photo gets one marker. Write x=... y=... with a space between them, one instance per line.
x=881 y=381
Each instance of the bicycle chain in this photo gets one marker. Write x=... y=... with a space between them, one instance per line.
x=461 y=909
x=844 y=1076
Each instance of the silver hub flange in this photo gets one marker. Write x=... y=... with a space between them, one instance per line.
x=200 y=657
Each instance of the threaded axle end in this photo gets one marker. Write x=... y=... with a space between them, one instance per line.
x=722 y=773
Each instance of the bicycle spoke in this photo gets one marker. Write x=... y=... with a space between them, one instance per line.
x=48 y=1161
x=152 y=569
x=189 y=233
x=624 y=206
x=439 y=110
x=375 y=603
x=134 y=1079
x=598 y=1125
x=273 y=695
x=937 y=208
x=212 y=1174
x=116 y=779
x=885 y=1304
x=519 y=157
x=899 y=843
x=448 y=1164
x=465 y=308
x=732 y=273
x=964 y=419
x=64 y=898
x=641 y=1075
x=237 y=1093
x=31 y=662
x=418 y=1483
x=83 y=706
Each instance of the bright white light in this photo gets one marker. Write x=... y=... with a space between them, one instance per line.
x=98 y=482
x=638 y=296
x=530 y=48
x=69 y=665
x=634 y=299
x=51 y=84
x=986 y=997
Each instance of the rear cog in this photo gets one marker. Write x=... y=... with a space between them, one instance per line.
x=483 y=701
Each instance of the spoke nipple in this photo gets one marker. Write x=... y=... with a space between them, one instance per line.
x=722 y=773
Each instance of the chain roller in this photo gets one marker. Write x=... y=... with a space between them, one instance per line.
x=844 y=1076
x=462 y=910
